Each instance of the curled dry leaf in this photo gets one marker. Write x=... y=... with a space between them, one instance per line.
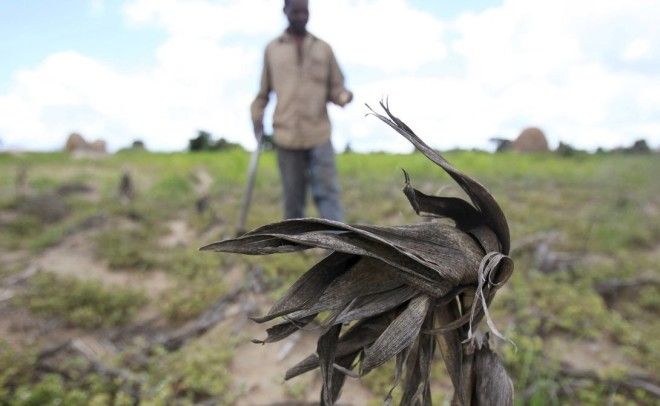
x=400 y=292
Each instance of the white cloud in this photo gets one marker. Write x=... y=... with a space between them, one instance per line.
x=213 y=20
x=387 y=35
x=163 y=106
x=555 y=64
x=637 y=49
x=587 y=72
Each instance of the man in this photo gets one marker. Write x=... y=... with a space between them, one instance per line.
x=302 y=71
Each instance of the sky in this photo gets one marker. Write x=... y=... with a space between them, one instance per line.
x=458 y=72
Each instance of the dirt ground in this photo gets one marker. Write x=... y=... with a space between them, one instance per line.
x=257 y=370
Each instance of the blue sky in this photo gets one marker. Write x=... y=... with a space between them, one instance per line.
x=100 y=30
x=586 y=72
x=31 y=31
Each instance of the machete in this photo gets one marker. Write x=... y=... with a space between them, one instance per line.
x=247 y=197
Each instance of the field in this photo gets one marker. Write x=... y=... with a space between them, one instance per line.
x=106 y=300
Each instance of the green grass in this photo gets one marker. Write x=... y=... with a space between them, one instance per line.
x=16 y=368
x=199 y=284
x=606 y=209
x=196 y=373
x=126 y=249
x=82 y=303
x=20 y=385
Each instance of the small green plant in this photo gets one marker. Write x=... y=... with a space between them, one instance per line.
x=49 y=391
x=200 y=284
x=196 y=373
x=15 y=369
x=172 y=191
x=24 y=226
x=21 y=384
x=82 y=303
x=126 y=249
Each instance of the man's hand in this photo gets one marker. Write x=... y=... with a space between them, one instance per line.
x=258 y=130
x=345 y=97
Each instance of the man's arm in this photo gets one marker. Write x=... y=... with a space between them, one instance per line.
x=259 y=104
x=339 y=95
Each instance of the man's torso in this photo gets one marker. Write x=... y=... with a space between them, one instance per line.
x=300 y=78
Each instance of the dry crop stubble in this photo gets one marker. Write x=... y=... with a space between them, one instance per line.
x=400 y=292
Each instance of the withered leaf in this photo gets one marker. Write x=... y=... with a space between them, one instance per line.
x=369 y=305
x=366 y=277
x=481 y=198
x=398 y=335
x=417 y=388
x=326 y=350
x=281 y=331
x=398 y=291
x=492 y=384
x=353 y=341
x=310 y=285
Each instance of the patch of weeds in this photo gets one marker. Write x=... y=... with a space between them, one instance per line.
x=200 y=284
x=82 y=303
x=6 y=271
x=531 y=372
x=10 y=201
x=534 y=300
x=172 y=190
x=649 y=299
x=50 y=236
x=624 y=227
x=20 y=384
x=28 y=231
x=546 y=304
x=23 y=227
x=198 y=372
x=15 y=369
x=49 y=391
x=597 y=393
x=52 y=390
x=126 y=249
x=84 y=218
x=43 y=183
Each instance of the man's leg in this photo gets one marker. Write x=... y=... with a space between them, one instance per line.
x=325 y=187
x=293 y=172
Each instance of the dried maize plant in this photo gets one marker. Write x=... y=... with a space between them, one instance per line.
x=403 y=292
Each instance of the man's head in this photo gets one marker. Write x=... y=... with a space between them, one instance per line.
x=297 y=12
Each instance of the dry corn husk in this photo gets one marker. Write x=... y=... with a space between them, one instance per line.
x=400 y=292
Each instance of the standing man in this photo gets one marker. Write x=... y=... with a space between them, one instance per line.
x=303 y=72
